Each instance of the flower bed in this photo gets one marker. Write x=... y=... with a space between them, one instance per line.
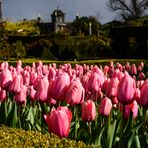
x=103 y=105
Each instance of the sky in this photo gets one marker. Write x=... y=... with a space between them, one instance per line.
x=15 y=10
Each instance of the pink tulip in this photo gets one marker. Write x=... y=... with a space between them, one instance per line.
x=42 y=89
x=118 y=74
x=142 y=64
x=100 y=73
x=131 y=108
x=139 y=68
x=134 y=69
x=106 y=69
x=140 y=83
x=45 y=69
x=94 y=82
x=58 y=121
x=141 y=76
x=16 y=84
x=32 y=93
x=2 y=94
x=59 y=86
x=26 y=78
x=20 y=97
x=112 y=87
x=75 y=92
x=105 y=84
x=105 y=106
x=51 y=74
x=85 y=80
x=39 y=63
x=137 y=94
x=19 y=66
x=127 y=66
x=4 y=65
x=5 y=78
x=143 y=100
x=88 y=111
x=126 y=90
x=33 y=77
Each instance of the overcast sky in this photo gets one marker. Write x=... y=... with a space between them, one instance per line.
x=15 y=10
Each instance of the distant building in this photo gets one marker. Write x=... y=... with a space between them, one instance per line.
x=58 y=23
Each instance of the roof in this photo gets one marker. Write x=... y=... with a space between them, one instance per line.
x=58 y=12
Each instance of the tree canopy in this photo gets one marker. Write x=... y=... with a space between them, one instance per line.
x=81 y=25
x=23 y=27
x=129 y=9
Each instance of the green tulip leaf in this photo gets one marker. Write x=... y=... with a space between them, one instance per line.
x=12 y=117
x=3 y=112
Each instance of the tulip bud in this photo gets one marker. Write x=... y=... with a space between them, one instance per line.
x=126 y=90
x=42 y=89
x=59 y=86
x=75 y=92
x=16 y=84
x=58 y=121
x=134 y=69
x=20 y=97
x=2 y=95
x=105 y=106
x=143 y=100
x=88 y=111
x=5 y=78
x=131 y=108
x=111 y=90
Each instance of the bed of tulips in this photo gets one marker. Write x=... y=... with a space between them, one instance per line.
x=101 y=105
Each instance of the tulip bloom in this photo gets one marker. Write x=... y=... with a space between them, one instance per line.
x=134 y=69
x=105 y=106
x=58 y=121
x=143 y=100
x=57 y=90
x=131 y=108
x=111 y=90
x=2 y=95
x=32 y=93
x=26 y=78
x=16 y=84
x=105 y=84
x=42 y=89
x=126 y=90
x=51 y=74
x=100 y=73
x=5 y=78
x=20 y=97
x=88 y=111
x=94 y=82
x=75 y=92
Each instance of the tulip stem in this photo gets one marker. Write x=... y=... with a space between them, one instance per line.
x=89 y=128
x=42 y=116
x=121 y=142
x=75 y=112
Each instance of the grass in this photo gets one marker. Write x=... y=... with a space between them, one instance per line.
x=99 y=61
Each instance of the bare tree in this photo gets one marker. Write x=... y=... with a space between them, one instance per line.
x=129 y=9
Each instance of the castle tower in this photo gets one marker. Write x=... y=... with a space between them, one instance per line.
x=58 y=16
x=58 y=20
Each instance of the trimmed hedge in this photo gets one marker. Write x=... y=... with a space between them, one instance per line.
x=10 y=137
